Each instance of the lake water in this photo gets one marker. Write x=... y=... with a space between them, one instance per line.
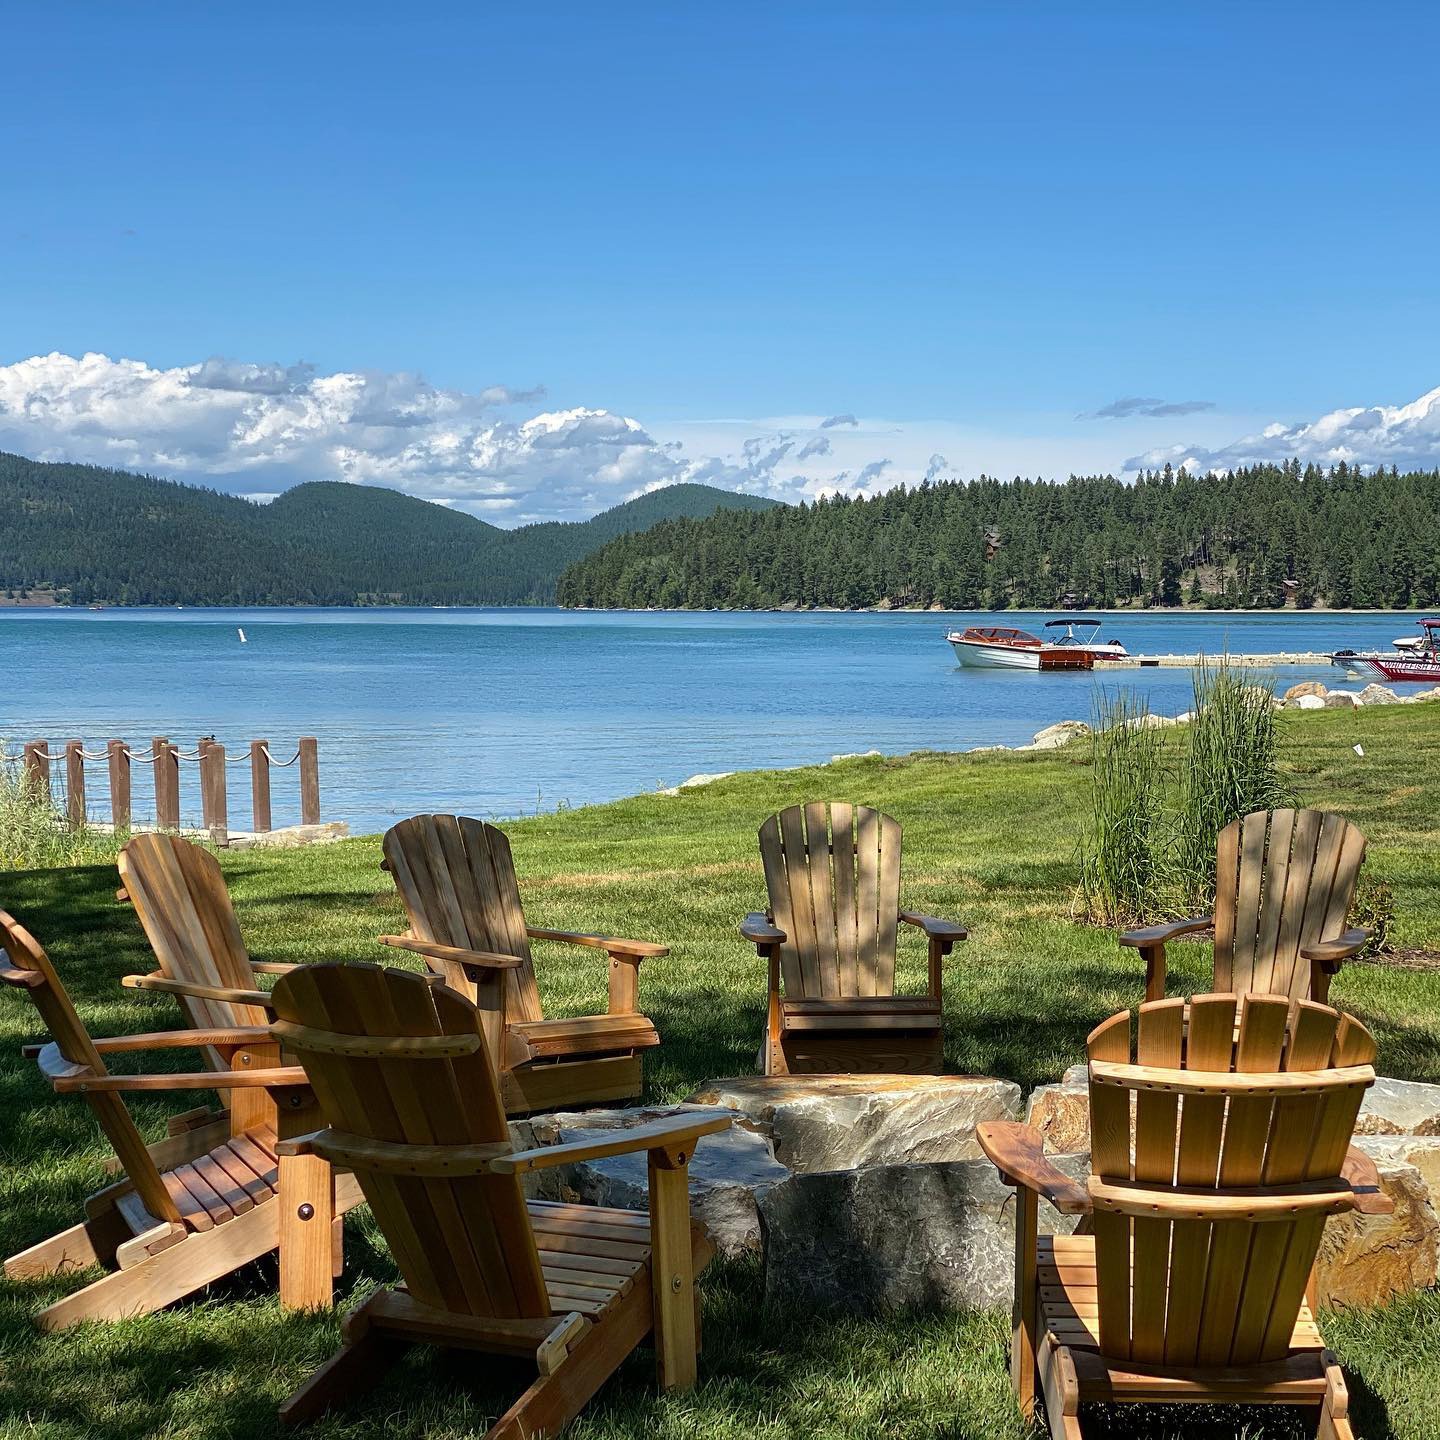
x=501 y=712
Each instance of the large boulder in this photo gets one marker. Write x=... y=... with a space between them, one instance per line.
x=1399 y=1107
x=843 y=1122
x=1431 y=694
x=1052 y=737
x=1306 y=687
x=1368 y=1259
x=728 y=1172
x=896 y=1237
x=1378 y=695
x=1341 y=700
x=1061 y=1112
x=1306 y=702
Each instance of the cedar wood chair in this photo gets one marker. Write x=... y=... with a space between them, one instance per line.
x=1218 y=1153
x=1284 y=882
x=177 y=1221
x=179 y=895
x=833 y=877
x=457 y=882
x=413 y=1106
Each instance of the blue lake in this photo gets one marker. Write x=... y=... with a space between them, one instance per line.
x=501 y=712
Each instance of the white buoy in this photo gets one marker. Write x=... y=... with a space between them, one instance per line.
x=241 y=634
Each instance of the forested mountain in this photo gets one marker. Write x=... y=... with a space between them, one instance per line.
x=106 y=535
x=1253 y=538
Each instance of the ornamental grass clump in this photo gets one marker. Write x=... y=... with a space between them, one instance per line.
x=1126 y=851
x=1230 y=769
x=35 y=836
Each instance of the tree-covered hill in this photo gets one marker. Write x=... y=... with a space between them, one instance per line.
x=110 y=536
x=1255 y=538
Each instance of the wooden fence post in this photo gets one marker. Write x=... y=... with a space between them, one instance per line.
x=37 y=769
x=309 y=780
x=260 y=786
x=212 y=791
x=167 y=785
x=119 y=758
x=75 y=782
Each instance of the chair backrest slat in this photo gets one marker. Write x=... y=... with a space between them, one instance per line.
x=456 y=879
x=74 y=1043
x=1283 y=880
x=1215 y=1288
x=832 y=873
x=179 y=894
x=463 y=1244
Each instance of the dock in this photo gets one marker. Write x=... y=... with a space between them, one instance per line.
x=1188 y=662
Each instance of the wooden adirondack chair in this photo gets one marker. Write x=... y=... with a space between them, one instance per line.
x=457 y=881
x=1284 y=882
x=409 y=1090
x=178 y=1221
x=179 y=895
x=833 y=877
x=1218 y=1181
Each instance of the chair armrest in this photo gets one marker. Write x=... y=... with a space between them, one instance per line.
x=636 y=950
x=1018 y=1152
x=1161 y=934
x=226 y=1037
x=1341 y=947
x=286 y=1075
x=167 y=986
x=272 y=967
x=658 y=1135
x=482 y=959
x=760 y=930
x=1364 y=1179
x=935 y=929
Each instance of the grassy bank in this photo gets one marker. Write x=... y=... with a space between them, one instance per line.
x=989 y=840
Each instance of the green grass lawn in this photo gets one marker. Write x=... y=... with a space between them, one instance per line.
x=989 y=840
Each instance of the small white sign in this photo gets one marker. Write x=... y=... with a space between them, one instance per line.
x=1359 y=749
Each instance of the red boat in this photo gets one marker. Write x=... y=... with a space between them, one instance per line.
x=1414 y=658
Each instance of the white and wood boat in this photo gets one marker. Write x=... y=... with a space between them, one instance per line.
x=1006 y=648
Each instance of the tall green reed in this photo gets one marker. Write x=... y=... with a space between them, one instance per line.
x=35 y=836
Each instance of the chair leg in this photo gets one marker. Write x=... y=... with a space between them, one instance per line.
x=553 y=1401
x=672 y=1268
x=359 y=1364
x=198 y=1260
x=92 y=1242
x=1023 y=1362
x=1335 y=1408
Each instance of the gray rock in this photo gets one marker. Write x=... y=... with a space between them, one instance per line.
x=1432 y=694
x=857 y=755
x=1365 y=1260
x=1306 y=702
x=1052 y=737
x=1378 y=695
x=1399 y=1107
x=896 y=1237
x=843 y=1122
x=728 y=1173
x=987 y=749
x=1341 y=700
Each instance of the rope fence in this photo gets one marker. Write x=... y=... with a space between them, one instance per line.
x=61 y=772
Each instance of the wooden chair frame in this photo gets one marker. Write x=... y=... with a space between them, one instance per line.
x=414 y=1109
x=1217 y=1180
x=181 y=1218
x=829 y=940
x=179 y=894
x=456 y=879
x=1285 y=880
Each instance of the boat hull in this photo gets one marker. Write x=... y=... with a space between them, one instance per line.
x=995 y=657
x=1389 y=667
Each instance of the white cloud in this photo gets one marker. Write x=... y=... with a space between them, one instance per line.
x=259 y=428
x=1404 y=435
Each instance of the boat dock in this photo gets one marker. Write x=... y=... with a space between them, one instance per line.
x=1186 y=662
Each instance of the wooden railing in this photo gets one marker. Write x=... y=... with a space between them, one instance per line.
x=164 y=760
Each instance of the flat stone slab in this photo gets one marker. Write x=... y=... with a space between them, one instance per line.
x=845 y=1122
x=1399 y=1107
x=728 y=1172
x=896 y=1237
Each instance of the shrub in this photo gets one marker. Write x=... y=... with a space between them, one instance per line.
x=34 y=836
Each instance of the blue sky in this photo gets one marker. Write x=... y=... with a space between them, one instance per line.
x=965 y=226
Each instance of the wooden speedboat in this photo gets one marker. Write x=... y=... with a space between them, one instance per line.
x=1005 y=648
x=1414 y=658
